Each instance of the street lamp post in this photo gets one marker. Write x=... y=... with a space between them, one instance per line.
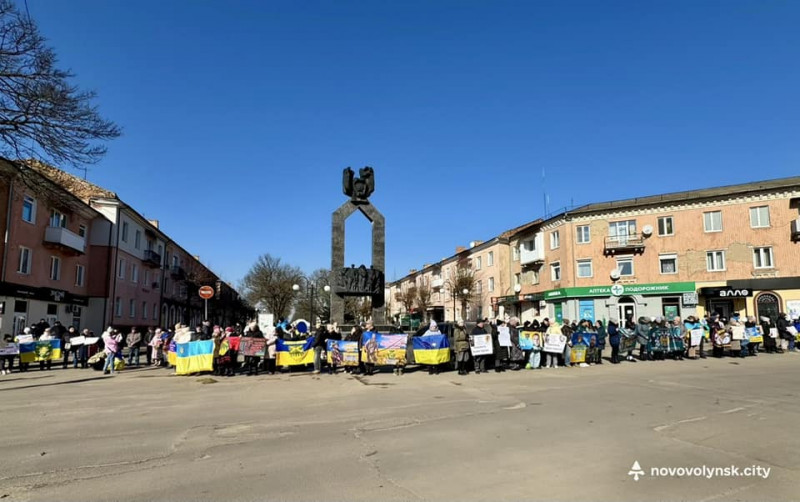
x=310 y=292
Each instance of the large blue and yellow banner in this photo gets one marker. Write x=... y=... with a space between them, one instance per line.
x=194 y=357
x=431 y=349
x=383 y=349
x=43 y=350
x=342 y=353
x=295 y=353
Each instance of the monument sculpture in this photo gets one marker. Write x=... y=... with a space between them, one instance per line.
x=361 y=280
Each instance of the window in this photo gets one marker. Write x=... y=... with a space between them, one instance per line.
x=625 y=266
x=52 y=309
x=132 y=306
x=155 y=312
x=517 y=279
x=478 y=263
x=665 y=226
x=668 y=263
x=620 y=231
x=762 y=257
x=124 y=231
x=712 y=221
x=29 y=209
x=530 y=245
x=555 y=242
x=479 y=288
x=134 y=273
x=585 y=268
x=715 y=261
x=58 y=219
x=555 y=271
x=121 y=268
x=55 y=268
x=137 y=239
x=144 y=310
x=759 y=217
x=490 y=259
x=534 y=277
x=491 y=284
x=82 y=230
x=146 y=279
x=118 y=307
x=515 y=253
x=583 y=234
x=24 y=261
x=79 y=273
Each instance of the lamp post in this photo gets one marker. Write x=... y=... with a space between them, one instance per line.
x=310 y=292
x=517 y=310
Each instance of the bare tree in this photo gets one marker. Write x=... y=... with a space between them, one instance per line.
x=423 y=299
x=269 y=282
x=42 y=114
x=407 y=298
x=463 y=279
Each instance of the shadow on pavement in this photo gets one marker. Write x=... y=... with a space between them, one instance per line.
x=99 y=377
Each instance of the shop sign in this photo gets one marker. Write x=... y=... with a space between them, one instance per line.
x=726 y=292
x=621 y=290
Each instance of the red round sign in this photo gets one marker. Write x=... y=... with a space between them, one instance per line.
x=206 y=292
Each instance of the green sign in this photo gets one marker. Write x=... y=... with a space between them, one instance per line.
x=621 y=290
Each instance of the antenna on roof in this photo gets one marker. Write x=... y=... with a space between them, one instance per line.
x=545 y=197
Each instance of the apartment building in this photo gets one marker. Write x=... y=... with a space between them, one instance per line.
x=725 y=249
x=45 y=252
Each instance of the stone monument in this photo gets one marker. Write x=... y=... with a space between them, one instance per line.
x=362 y=280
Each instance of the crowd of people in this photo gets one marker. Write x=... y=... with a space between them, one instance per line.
x=642 y=340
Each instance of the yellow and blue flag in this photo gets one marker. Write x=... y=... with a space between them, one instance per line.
x=42 y=350
x=294 y=353
x=431 y=349
x=194 y=357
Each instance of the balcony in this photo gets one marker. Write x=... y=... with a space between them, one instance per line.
x=624 y=243
x=531 y=251
x=62 y=238
x=177 y=272
x=437 y=283
x=152 y=258
x=796 y=230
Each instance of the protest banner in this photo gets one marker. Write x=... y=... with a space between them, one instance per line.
x=755 y=335
x=431 y=349
x=737 y=332
x=584 y=338
x=504 y=336
x=25 y=339
x=578 y=354
x=383 y=350
x=792 y=330
x=696 y=336
x=91 y=340
x=628 y=343
x=294 y=353
x=342 y=353
x=9 y=349
x=773 y=332
x=555 y=343
x=480 y=345
x=194 y=357
x=254 y=347
x=526 y=339
x=43 y=350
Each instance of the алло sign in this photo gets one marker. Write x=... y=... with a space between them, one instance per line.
x=726 y=292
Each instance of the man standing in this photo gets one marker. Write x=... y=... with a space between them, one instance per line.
x=134 y=342
x=148 y=342
x=67 y=347
x=461 y=343
x=320 y=343
x=479 y=361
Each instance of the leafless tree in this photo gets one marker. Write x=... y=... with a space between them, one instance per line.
x=407 y=298
x=423 y=299
x=269 y=282
x=463 y=279
x=321 y=300
x=42 y=114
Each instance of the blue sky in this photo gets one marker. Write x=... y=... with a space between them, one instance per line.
x=239 y=116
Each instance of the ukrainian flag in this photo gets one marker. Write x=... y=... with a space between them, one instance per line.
x=431 y=349
x=295 y=353
x=194 y=357
x=43 y=350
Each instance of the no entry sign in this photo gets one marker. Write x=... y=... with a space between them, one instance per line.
x=206 y=292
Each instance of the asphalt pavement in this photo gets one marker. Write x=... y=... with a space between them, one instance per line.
x=557 y=434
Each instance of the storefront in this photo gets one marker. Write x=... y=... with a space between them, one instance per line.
x=622 y=301
x=22 y=306
x=725 y=300
x=765 y=297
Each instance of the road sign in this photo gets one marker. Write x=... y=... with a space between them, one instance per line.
x=206 y=292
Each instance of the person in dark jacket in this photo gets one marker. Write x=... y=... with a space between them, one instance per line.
x=601 y=341
x=320 y=342
x=784 y=336
x=148 y=341
x=355 y=336
x=479 y=361
x=461 y=345
x=613 y=340
x=252 y=362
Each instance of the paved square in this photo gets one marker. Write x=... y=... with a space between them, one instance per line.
x=567 y=434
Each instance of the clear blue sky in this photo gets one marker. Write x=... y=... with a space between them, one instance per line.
x=239 y=116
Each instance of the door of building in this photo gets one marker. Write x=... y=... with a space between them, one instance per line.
x=587 y=309
x=768 y=305
x=559 y=311
x=723 y=308
x=627 y=310
x=20 y=323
